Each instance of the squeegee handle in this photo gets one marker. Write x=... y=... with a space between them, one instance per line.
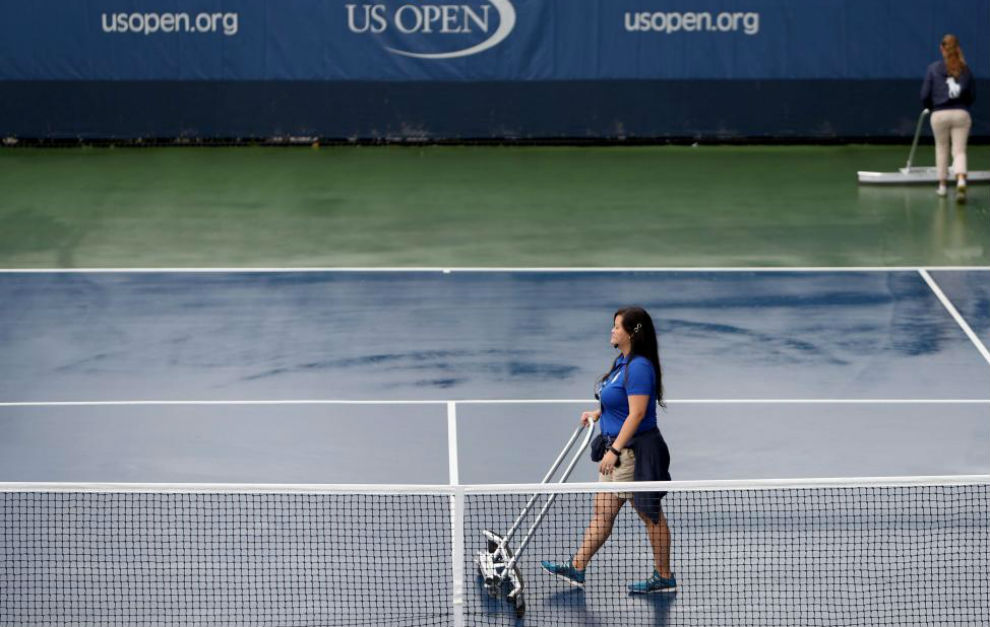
x=546 y=478
x=550 y=500
x=563 y=453
x=917 y=134
x=529 y=534
x=590 y=429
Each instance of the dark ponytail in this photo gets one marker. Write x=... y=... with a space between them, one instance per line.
x=955 y=62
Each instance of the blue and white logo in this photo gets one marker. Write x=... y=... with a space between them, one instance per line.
x=954 y=88
x=437 y=22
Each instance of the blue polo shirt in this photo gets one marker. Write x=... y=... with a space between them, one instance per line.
x=641 y=380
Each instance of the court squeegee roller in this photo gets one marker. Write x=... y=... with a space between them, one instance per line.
x=498 y=564
x=909 y=174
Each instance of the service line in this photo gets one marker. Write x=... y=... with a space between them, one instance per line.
x=483 y=269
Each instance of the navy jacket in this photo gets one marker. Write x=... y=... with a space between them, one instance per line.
x=935 y=90
x=652 y=464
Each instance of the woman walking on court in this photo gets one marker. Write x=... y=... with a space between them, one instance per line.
x=634 y=450
x=948 y=92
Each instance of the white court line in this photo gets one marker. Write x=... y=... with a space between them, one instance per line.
x=955 y=314
x=453 y=473
x=519 y=401
x=456 y=519
x=448 y=270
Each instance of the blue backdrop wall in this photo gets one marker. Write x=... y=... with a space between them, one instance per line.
x=447 y=69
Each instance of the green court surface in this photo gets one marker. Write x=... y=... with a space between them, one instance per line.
x=465 y=206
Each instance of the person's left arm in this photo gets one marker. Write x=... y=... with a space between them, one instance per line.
x=637 y=411
x=640 y=386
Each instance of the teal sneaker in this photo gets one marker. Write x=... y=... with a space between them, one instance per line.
x=655 y=583
x=565 y=570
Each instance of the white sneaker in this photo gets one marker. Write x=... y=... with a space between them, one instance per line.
x=941 y=191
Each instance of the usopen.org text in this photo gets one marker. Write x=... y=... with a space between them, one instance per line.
x=676 y=22
x=152 y=23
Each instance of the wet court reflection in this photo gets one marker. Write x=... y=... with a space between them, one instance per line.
x=376 y=336
x=949 y=233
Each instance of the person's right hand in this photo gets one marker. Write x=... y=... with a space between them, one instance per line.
x=590 y=417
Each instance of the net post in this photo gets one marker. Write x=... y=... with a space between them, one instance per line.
x=457 y=550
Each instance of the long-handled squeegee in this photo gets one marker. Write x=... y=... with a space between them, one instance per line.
x=913 y=174
x=497 y=565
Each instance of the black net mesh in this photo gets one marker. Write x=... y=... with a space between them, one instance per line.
x=823 y=557
x=224 y=559
x=765 y=557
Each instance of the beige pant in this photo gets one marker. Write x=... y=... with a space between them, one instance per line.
x=951 y=124
x=627 y=465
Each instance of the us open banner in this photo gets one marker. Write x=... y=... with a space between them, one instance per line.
x=483 y=40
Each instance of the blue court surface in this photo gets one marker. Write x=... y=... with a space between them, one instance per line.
x=768 y=374
x=359 y=377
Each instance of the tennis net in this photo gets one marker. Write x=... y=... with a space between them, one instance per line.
x=885 y=552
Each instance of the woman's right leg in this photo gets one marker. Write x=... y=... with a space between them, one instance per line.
x=959 y=133
x=940 y=128
x=659 y=534
x=607 y=506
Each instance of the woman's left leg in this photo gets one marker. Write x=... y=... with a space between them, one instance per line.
x=606 y=508
x=940 y=129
